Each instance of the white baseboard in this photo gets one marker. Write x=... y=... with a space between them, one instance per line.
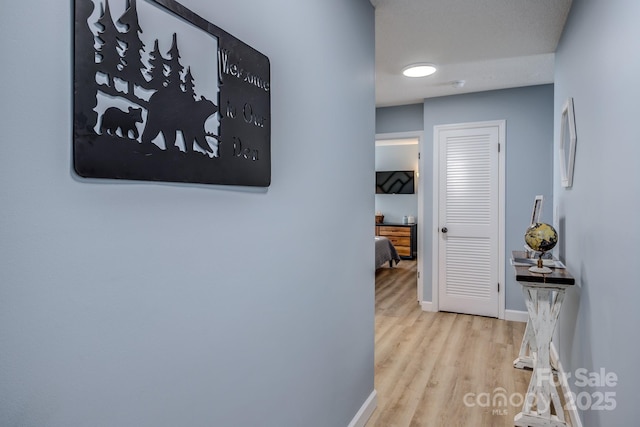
x=365 y=411
x=564 y=385
x=426 y=306
x=516 y=315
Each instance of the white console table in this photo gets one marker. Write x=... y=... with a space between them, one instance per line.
x=544 y=294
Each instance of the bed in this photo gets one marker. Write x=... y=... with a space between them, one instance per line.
x=385 y=252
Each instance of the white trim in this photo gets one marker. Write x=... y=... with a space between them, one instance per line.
x=419 y=135
x=435 y=253
x=516 y=315
x=420 y=243
x=426 y=306
x=399 y=135
x=502 y=194
x=564 y=385
x=435 y=264
x=367 y=408
x=403 y=141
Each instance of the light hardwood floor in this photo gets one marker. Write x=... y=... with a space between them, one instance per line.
x=441 y=369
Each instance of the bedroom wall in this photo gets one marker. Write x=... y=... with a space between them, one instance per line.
x=597 y=217
x=157 y=304
x=397 y=157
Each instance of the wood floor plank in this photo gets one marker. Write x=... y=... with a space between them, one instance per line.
x=407 y=388
x=441 y=369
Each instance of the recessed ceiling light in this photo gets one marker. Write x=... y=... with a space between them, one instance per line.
x=419 y=70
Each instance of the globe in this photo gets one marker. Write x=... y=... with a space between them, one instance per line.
x=541 y=237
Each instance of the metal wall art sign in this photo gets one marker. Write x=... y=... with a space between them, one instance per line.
x=160 y=94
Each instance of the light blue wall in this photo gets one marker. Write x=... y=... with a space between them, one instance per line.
x=598 y=64
x=397 y=157
x=149 y=304
x=528 y=112
x=403 y=118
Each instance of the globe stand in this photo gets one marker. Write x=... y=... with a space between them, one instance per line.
x=540 y=267
x=541 y=238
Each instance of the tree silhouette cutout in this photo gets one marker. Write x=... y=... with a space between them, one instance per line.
x=131 y=60
x=174 y=67
x=188 y=84
x=156 y=68
x=86 y=117
x=108 y=39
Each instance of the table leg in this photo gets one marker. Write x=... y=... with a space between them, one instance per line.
x=542 y=405
x=527 y=349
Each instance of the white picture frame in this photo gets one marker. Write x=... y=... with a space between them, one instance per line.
x=537 y=209
x=567 y=143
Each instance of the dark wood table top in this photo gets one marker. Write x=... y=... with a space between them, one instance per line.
x=558 y=276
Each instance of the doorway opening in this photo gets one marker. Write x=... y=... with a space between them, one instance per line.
x=401 y=152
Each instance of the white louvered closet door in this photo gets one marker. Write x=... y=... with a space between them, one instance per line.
x=468 y=218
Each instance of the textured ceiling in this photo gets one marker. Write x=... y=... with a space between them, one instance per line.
x=490 y=44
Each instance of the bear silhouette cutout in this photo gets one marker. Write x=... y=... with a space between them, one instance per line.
x=185 y=114
x=114 y=119
x=193 y=125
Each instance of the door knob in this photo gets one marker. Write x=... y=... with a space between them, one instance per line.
x=444 y=229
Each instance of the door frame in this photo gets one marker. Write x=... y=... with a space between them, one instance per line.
x=435 y=262
x=419 y=135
